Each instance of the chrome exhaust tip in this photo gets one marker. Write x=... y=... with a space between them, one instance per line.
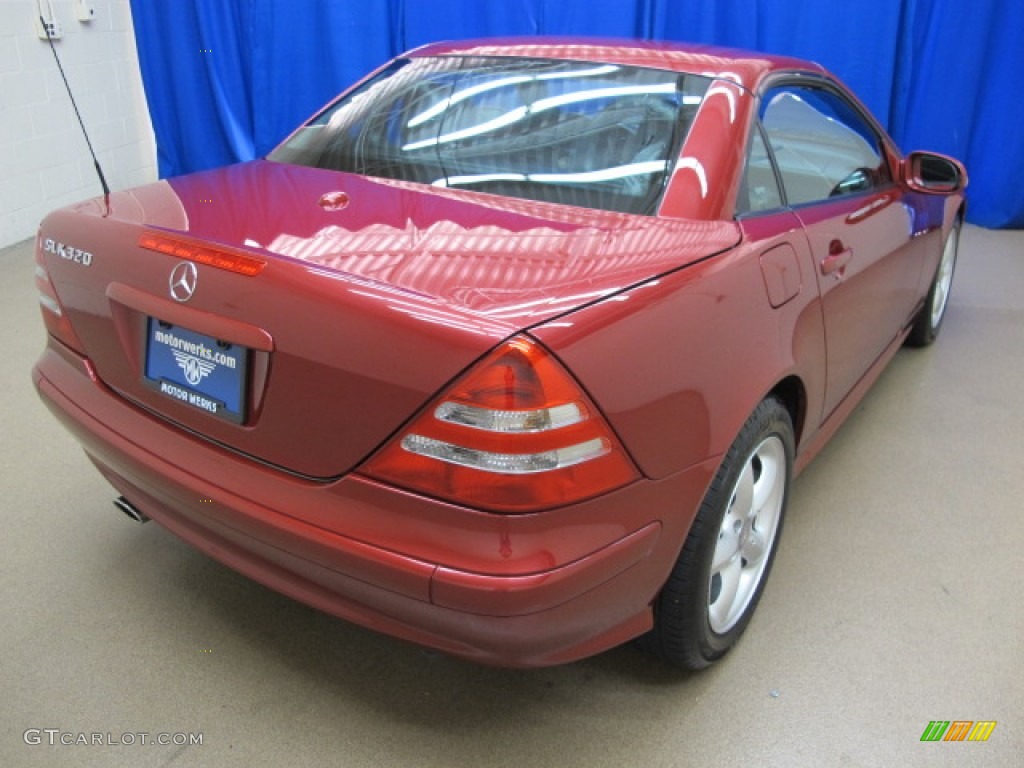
x=130 y=510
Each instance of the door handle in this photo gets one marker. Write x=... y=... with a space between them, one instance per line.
x=838 y=257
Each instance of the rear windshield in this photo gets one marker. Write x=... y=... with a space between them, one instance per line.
x=592 y=135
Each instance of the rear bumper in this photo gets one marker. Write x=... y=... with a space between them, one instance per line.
x=525 y=590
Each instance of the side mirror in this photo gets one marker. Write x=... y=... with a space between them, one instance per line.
x=933 y=174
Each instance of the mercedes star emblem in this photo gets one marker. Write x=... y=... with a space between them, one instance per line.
x=183 y=281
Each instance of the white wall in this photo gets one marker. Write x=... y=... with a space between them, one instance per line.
x=44 y=161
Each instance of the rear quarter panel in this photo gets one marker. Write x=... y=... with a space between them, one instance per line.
x=679 y=363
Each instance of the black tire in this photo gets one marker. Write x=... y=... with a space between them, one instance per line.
x=693 y=624
x=929 y=319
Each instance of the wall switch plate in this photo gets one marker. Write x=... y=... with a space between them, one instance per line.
x=85 y=10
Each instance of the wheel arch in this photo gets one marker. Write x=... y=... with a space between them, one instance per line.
x=791 y=392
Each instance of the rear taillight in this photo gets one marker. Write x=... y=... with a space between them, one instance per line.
x=54 y=317
x=515 y=434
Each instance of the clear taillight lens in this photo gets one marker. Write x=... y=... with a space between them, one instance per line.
x=54 y=316
x=514 y=434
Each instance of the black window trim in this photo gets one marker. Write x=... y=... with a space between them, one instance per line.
x=822 y=82
x=758 y=129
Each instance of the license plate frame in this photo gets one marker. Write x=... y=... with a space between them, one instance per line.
x=207 y=374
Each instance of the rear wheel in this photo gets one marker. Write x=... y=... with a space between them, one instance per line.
x=721 y=571
x=929 y=319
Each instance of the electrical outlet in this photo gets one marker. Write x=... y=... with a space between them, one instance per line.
x=86 y=11
x=52 y=29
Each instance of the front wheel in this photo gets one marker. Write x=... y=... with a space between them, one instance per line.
x=715 y=585
x=929 y=319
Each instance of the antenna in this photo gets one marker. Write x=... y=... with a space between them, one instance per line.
x=95 y=161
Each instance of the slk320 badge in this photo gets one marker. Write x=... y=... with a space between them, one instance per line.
x=67 y=252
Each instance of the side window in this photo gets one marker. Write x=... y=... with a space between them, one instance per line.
x=823 y=147
x=760 y=189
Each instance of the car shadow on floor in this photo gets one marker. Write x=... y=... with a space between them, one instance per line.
x=208 y=604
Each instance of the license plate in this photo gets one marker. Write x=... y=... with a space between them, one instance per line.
x=196 y=369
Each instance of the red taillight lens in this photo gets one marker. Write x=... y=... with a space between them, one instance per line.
x=514 y=434
x=54 y=317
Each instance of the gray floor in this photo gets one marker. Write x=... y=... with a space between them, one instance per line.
x=895 y=600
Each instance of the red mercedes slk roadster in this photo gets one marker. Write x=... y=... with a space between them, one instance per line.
x=511 y=351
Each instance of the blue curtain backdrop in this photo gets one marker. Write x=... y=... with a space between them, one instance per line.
x=226 y=80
